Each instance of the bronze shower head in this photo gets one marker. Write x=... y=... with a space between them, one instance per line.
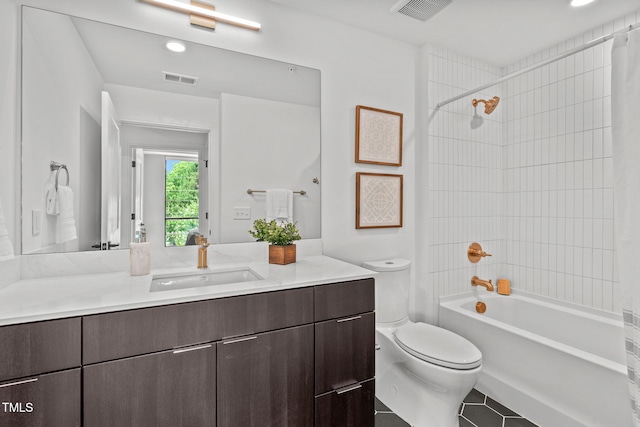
x=489 y=105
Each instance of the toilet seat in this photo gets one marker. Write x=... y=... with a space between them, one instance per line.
x=438 y=346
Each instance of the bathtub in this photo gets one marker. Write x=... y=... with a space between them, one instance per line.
x=555 y=363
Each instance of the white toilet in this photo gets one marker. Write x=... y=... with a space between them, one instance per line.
x=423 y=372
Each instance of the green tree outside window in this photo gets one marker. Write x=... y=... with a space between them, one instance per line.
x=182 y=203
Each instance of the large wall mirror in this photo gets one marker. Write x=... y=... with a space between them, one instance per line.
x=119 y=131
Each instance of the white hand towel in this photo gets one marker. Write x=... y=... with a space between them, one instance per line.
x=66 y=222
x=279 y=205
x=51 y=194
x=6 y=247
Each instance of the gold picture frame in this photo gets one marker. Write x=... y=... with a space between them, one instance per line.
x=378 y=136
x=378 y=200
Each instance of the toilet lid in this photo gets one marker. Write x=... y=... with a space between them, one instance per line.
x=438 y=346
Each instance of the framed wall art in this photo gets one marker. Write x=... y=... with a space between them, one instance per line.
x=378 y=136
x=378 y=200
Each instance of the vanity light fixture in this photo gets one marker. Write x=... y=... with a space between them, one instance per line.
x=578 y=3
x=204 y=11
x=176 y=46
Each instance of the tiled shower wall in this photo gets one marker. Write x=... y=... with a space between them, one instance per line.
x=465 y=174
x=558 y=174
x=533 y=182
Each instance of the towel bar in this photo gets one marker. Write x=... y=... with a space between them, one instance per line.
x=250 y=191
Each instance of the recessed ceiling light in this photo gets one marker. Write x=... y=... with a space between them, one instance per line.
x=578 y=3
x=176 y=46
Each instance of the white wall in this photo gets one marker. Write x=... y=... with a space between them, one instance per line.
x=164 y=108
x=9 y=173
x=357 y=67
x=52 y=91
x=267 y=144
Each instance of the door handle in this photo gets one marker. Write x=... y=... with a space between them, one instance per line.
x=349 y=319
x=186 y=349
x=347 y=390
x=18 y=382
x=239 y=340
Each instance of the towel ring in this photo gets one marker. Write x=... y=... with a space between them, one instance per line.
x=56 y=167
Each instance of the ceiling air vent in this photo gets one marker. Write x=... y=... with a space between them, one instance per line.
x=420 y=9
x=179 y=78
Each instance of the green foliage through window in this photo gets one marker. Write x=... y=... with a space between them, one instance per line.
x=182 y=203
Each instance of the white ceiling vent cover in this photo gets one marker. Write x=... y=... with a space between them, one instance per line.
x=179 y=78
x=420 y=9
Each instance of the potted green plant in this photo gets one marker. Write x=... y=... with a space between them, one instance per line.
x=280 y=236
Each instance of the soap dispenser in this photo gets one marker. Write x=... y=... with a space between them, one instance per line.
x=140 y=253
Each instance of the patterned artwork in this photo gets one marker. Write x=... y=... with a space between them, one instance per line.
x=378 y=136
x=378 y=200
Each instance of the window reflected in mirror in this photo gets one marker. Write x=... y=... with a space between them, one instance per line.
x=182 y=201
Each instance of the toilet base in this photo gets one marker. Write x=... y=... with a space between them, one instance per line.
x=423 y=394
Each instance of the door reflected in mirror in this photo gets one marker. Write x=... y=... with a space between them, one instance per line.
x=101 y=98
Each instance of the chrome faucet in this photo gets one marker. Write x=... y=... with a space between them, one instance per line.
x=476 y=281
x=202 y=251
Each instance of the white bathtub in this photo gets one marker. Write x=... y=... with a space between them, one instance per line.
x=556 y=363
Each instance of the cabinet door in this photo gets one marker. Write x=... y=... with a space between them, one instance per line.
x=348 y=407
x=344 y=351
x=35 y=348
x=42 y=401
x=267 y=379
x=173 y=389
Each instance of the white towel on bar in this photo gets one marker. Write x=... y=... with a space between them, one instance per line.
x=6 y=247
x=51 y=194
x=66 y=222
x=279 y=205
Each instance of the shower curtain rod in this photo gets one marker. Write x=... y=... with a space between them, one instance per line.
x=540 y=64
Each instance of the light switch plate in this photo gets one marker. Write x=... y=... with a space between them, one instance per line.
x=241 y=213
x=36 y=221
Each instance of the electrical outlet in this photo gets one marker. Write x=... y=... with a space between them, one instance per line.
x=241 y=213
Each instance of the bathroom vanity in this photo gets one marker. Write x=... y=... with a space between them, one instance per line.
x=295 y=349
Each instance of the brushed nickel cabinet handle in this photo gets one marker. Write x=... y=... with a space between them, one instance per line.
x=239 y=340
x=349 y=319
x=19 y=382
x=347 y=390
x=184 y=350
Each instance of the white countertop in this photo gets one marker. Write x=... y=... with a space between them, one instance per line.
x=66 y=296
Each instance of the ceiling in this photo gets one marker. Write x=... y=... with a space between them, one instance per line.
x=499 y=32
x=135 y=58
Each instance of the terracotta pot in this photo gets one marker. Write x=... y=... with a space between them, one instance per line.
x=282 y=254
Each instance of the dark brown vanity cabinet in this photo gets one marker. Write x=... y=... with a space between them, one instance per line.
x=345 y=354
x=292 y=358
x=238 y=361
x=40 y=378
x=175 y=388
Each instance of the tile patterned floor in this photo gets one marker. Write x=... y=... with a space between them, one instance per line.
x=477 y=410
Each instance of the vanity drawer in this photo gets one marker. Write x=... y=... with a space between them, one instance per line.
x=252 y=314
x=345 y=352
x=128 y=333
x=42 y=401
x=35 y=348
x=344 y=299
x=351 y=406
x=121 y=334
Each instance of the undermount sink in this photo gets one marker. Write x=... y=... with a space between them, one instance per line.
x=172 y=281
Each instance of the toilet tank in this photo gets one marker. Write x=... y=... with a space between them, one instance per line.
x=392 y=288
